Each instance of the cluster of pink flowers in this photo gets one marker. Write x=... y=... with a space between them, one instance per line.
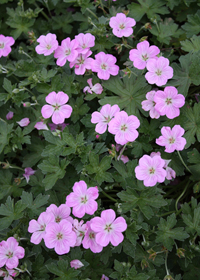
x=158 y=68
x=60 y=231
x=119 y=123
x=161 y=103
x=77 y=52
x=10 y=253
x=153 y=169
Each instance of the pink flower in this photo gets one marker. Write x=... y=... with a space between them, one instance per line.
x=38 y=228
x=123 y=158
x=103 y=118
x=171 y=138
x=60 y=237
x=89 y=240
x=82 y=199
x=150 y=170
x=28 y=172
x=97 y=88
x=124 y=127
x=60 y=213
x=24 y=122
x=5 y=43
x=10 y=253
x=9 y=116
x=48 y=44
x=80 y=229
x=86 y=41
x=55 y=127
x=149 y=105
x=159 y=71
x=168 y=102
x=122 y=25
x=41 y=126
x=76 y=264
x=108 y=229
x=142 y=54
x=67 y=51
x=58 y=110
x=104 y=65
x=7 y=273
x=82 y=62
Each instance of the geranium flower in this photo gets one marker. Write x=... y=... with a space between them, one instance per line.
x=67 y=51
x=28 y=172
x=5 y=43
x=104 y=65
x=142 y=54
x=97 y=88
x=82 y=199
x=124 y=127
x=150 y=170
x=86 y=41
x=58 y=109
x=159 y=71
x=41 y=126
x=48 y=44
x=80 y=229
x=38 y=228
x=10 y=115
x=82 y=62
x=103 y=118
x=60 y=213
x=24 y=122
x=122 y=25
x=76 y=264
x=168 y=102
x=89 y=240
x=172 y=138
x=108 y=229
x=60 y=237
x=149 y=105
x=10 y=253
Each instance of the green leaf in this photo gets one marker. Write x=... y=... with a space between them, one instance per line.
x=62 y=270
x=164 y=31
x=192 y=222
x=166 y=234
x=5 y=134
x=193 y=25
x=191 y=123
x=181 y=78
x=34 y=205
x=11 y=211
x=130 y=93
x=191 y=45
x=149 y=7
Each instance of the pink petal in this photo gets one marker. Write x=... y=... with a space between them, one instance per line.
x=47 y=111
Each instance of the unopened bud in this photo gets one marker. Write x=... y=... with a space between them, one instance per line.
x=16 y=90
x=26 y=104
x=144 y=38
x=144 y=264
x=180 y=252
x=168 y=277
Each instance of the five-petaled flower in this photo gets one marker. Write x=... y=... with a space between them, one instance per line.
x=108 y=229
x=48 y=44
x=5 y=43
x=172 y=138
x=82 y=199
x=122 y=25
x=57 y=108
x=151 y=170
x=124 y=127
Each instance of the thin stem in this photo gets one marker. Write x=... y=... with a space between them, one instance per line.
x=166 y=263
x=92 y=13
x=121 y=152
x=43 y=13
x=102 y=7
x=183 y=161
x=176 y=204
x=109 y=196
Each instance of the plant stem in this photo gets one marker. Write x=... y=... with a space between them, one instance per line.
x=166 y=263
x=183 y=161
x=43 y=13
x=92 y=13
x=109 y=196
x=176 y=204
x=121 y=152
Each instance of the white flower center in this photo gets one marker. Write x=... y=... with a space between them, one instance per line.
x=158 y=72
x=122 y=26
x=145 y=57
x=59 y=236
x=1 y=45
x=171 y=140
x=68 y=52
x=107 y=119
x=124 y=127
x=104 y=66
x=108 y=227
x=84 y=199
x=48 y=47
x=168 y=101
x=58 y=219
x=9 y=254
x=152 y=170
x=91 y=235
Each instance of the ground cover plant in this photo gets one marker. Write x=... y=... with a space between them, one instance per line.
x=99 y=139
